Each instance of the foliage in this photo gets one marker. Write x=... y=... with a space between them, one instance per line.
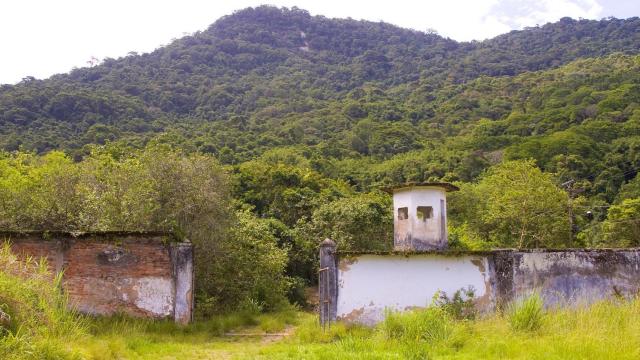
x=516 y=205
x=249 y=267
x=286 y=192
x=622 y=226
x=311 y=116
x=266 y=77
x=460 y=306
x=360 y=222
x=155 y=188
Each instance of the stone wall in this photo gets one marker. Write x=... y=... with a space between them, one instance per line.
x=368 y=284
x=143 y=274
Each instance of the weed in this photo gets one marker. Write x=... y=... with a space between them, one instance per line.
x=461 y=306
x=526 y=314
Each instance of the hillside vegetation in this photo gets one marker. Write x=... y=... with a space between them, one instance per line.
x=268 y=77
x=273 y=129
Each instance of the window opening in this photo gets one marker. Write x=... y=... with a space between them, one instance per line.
x=403 y=213
x=424 y=212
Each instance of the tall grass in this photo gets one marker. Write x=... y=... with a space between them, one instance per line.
x=605 y=330
x=40 y=322
x=432 y=326
x=526 y=314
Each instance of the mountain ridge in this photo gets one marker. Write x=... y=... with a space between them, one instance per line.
x=268 y=64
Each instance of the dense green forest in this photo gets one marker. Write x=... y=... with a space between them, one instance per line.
x=273 y=129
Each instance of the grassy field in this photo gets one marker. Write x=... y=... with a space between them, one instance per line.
x=604 y=331
x=607 y=330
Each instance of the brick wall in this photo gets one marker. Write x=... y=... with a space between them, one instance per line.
x=140 y=274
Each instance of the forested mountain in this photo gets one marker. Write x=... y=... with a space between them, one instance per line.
x=268 y=77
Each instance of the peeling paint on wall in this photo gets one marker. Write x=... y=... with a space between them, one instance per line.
x=368 y=284
x=577 y=277
x=154 y=295
x=378 y=282
x=140 y=274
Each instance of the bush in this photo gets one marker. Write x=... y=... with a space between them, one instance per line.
x=460 y=306
x=526 y=314
x=155 y=188
x=250 y=272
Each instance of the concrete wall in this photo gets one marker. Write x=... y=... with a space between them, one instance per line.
x=576 y=276
x=140 y=274
x=370 y=283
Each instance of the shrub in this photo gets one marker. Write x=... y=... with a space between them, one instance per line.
x=250 y=274
x=460 y=306
x=526 y=314
x=155 y=188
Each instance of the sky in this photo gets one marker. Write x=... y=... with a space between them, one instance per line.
x=43 y=37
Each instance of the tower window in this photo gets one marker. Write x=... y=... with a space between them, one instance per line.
x=403 y=213
x=424 y=212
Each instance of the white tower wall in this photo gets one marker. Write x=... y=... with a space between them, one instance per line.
x=420 y=218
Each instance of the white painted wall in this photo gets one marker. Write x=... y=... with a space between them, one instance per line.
x=408 y=234
x=368 y=284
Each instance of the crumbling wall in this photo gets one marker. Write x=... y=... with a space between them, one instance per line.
x=576 y=277
x=140 y=274
x=368 y=284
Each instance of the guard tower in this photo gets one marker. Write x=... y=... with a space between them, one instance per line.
x=420 y=216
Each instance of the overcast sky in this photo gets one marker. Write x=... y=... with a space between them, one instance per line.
x=43 y=37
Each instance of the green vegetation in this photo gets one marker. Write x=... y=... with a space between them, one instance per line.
x=36 y=323
x=155 y=188
x=603 y=331
x=246 y=85
x=514 y=204
x=526 y=314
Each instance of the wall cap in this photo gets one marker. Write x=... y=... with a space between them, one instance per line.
x=446 y=186
x=327 y=242
x=453 y=252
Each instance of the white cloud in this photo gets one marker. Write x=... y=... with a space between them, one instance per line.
x=518 y=14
